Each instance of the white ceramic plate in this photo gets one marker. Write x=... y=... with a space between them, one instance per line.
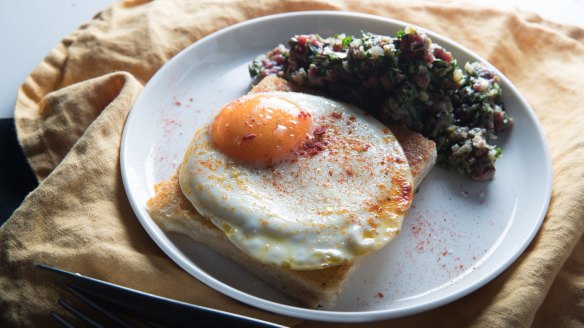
x=458 y=236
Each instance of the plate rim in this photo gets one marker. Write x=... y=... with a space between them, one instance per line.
x=327 y=315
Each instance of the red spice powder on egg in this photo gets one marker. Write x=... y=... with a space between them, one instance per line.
x=304 y=115
x=248 y=136
x=316 y=144
x=336 y=115
x=319 y=131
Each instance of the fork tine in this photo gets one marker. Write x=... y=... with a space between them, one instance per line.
x=98 y=308
x=152 y=310
x=79 y=314
x=62 y=321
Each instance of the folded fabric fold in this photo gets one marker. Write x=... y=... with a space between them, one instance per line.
x=70 y=115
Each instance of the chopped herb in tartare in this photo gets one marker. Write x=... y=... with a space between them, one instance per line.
x=407 y=80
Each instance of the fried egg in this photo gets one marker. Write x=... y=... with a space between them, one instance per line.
x=297 y=180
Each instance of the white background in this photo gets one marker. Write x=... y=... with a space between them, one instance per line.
x=29 y=29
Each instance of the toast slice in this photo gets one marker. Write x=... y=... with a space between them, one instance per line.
x=172 y=211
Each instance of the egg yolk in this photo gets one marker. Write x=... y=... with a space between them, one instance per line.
x=260 y=129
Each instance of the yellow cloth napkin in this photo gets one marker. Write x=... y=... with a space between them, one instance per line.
x=71 y=110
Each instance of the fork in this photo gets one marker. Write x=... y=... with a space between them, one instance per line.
x=102 y=304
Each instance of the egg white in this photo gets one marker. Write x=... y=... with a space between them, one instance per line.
x=313 y=211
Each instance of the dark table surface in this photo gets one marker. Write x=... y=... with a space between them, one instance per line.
x=16 y=177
